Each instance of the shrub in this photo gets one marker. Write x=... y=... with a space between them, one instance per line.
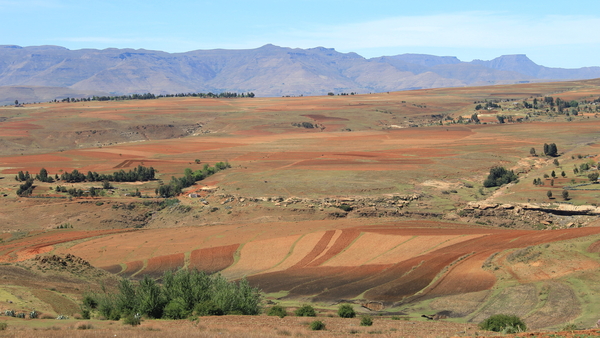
x=278 y=311
x=84 y=326
x=133 y=320
x=85 y=314
x=208 y=308
x=366 y=321
x=3 y=326
x=344 y=207
x=346 y=311
x=305 y=311
x=175 y=309
x=317 y=325
x=503 y=323
x=90 y=302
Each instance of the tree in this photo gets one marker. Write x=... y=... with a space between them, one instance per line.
x=563 y=174
x=593 y=177
x=553 y=174
x=556 y=163
x=550 y=149
x=565 y=195
x=346 y=311
x=16 y=102
x=549 y=194
x=532 y=152
x=499 y=176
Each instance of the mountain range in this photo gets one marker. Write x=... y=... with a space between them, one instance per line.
x=41 y=73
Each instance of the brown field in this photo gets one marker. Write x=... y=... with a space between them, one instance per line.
x=371 y=205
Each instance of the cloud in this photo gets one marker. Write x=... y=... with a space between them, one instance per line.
x=459 y=30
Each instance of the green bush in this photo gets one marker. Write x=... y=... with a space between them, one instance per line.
x=208 y=308
x=179 y=294
x=317 y=325
x=3 y=326
x=132 y=320
x=90 y=302
x=305 y=311
x=278 y=311
x=503 y=323
x=176 y=309
x=366 y=321
x=499 y=176
x=85 y=314
x=346 y=311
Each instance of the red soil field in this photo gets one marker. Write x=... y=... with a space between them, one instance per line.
x=28 y=247
x=156 y=266
x=316 y=251
x=341 y=243
x=321 y=264
x=213 y=260
x=133 y=268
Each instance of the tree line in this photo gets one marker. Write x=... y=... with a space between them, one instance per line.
x=150 y=96
x=176 y=185
x=139 y=174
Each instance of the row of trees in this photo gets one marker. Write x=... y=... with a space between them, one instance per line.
x=150 y=96
x=176 y=186
x=180 y=295
x=138 y=174
x=210 y=95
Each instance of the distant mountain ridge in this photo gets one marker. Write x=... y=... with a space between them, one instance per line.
x=267 y=71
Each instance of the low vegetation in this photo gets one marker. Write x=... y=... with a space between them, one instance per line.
x=366 y=321
x=305 y=311
x=317 y=325
x=180 y=294
x=503 y=323
x=346 y=311
x=278 y=311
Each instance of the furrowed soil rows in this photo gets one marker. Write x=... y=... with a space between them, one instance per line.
x=341 y=243
x=316 y=251
x=212 y=260
x=156 y=266
x=561 y=306
x=255 y=259
x=132 y=268
x=365 y=248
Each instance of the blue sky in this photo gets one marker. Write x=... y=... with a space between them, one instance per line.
x=555 y=35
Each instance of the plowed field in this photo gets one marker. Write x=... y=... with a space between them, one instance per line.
x=384 y=262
